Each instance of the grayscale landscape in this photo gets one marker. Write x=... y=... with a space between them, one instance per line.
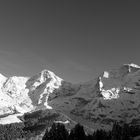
x=69 y=70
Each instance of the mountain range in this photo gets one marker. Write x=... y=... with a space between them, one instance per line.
x=113 y=96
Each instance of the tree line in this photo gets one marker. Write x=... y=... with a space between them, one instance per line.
x=118 y=132
x=59 y=132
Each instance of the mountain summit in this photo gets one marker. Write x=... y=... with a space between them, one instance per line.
x=113 y=96
x=24 y=94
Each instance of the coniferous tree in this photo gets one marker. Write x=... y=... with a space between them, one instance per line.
x=45 y=135
x=57 y=132
x=77 y=133
x=101 y=135
x=116 y=132
x=89 y=137
x=125 y=132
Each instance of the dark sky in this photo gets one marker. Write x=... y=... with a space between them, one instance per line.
x=75 y=39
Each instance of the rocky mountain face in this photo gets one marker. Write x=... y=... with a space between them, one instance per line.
x=113 y=96
x=24 y=94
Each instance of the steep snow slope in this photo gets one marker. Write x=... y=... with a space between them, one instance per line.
x=41 y=86
x=23 y=94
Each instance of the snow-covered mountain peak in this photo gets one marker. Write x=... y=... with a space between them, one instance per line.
x=47 y=74
x=133 y=65
x=41 y=86
x=14 y=85
x=112 y=83
x=26 y=93
x=106 y=74
x=2 y=79
x=2 y=76
x=53 y=82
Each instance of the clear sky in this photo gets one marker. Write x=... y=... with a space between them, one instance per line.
x=76 y=39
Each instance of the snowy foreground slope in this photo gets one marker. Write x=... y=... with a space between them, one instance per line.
x=113 y=96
